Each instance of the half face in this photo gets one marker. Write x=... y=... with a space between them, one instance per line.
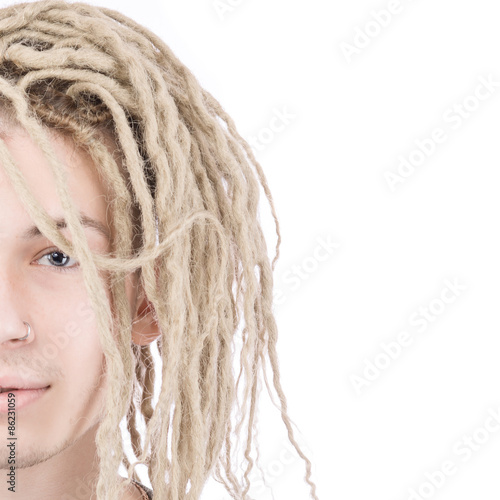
x=44 y=287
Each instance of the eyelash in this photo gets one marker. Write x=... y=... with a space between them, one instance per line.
x=58 y=268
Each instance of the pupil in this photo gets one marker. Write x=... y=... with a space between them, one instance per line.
x=60 y=254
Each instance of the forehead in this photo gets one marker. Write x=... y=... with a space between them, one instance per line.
x=86 y=186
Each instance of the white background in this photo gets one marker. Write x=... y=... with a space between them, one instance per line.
x=354 y=117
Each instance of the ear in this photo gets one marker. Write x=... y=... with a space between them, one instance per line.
x=145 y=328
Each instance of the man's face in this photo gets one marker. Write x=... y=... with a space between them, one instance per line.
x=46 y=289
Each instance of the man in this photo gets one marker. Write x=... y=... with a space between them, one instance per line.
x=56 y=430
x=129 y=215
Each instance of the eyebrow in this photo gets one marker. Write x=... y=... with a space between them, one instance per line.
x=33 y=231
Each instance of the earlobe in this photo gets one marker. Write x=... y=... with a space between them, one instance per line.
x=145 y=328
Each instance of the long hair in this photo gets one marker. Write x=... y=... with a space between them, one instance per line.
x=185 y=216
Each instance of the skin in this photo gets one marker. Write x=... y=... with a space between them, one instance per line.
x=56 y=434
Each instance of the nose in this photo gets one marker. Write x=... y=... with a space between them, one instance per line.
x=12 y=338
x=13 y=325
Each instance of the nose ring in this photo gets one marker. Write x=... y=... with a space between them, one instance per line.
x=29 y=331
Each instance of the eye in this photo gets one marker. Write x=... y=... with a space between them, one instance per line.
x=58 y=260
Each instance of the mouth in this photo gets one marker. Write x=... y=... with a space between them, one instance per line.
x=10 y=389
x=14 y=399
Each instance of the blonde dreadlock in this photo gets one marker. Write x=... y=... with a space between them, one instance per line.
x=184 y=213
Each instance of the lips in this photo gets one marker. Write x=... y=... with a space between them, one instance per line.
x=10 y=383
x=20 y=399
x=9 y=389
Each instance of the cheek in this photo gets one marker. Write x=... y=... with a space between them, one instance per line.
x=66 y=316
x=65 y=323
x=82 y=359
